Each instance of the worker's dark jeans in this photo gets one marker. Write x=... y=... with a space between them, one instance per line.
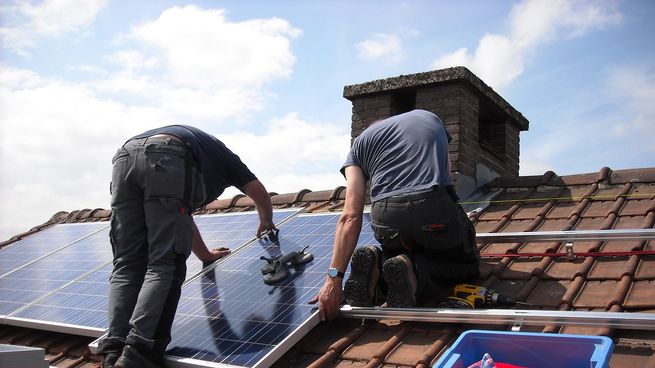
x=151 y=233
x=435 y=232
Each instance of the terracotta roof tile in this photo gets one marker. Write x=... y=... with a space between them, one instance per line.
x=521 y=269
x=497 y=248
x=486 y=226
x=629 y=222
x=517 y=226
x=636 y=207
x=646 y=268
x=416 y=348
x=562 y=269
x=645 y=175
x=590 y=223
x=598 y=209
x=548 y=294
x=528 y=211
x=562 y=210
x=641 y=295
x=595 y=294
x=611 y=268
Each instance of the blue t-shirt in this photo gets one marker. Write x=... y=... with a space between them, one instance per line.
x=402 y=154
x=219 y=167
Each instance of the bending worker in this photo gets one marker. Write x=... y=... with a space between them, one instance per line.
x=425 y=236
x=159 y=178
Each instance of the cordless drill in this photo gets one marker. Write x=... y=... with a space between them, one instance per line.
x=478 y=296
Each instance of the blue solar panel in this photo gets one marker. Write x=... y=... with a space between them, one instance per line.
x=42 y=243
x=84 y=302
x=230 y=230
x=228 y=315
x=36 y=279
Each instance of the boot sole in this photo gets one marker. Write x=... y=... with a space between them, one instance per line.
x=356 y=289
x=401 y=290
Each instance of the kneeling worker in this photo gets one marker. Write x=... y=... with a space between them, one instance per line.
x=425 y=236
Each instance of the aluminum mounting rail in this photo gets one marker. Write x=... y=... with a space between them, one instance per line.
x=515 y=317
x=572 y=235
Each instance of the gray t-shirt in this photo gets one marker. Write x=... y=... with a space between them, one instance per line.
x=402 y=154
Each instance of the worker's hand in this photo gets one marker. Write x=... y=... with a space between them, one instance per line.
x=263 y=227
x=329 y=300
x=215 y=254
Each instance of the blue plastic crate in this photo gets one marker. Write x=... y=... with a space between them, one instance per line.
x=533 y=350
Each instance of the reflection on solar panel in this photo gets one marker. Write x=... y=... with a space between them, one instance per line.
x=230 y=230
x=229 y=316
x=42 y=243
x=82 y=305
x=36 y=279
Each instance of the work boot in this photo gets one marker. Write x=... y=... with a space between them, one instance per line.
x=132 y=358
x=359 y=289
x=401 y=281
x=109 y=360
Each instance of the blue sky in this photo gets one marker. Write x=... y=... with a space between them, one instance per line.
x=79 y=77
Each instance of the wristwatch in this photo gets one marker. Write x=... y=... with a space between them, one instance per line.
x=333 y=272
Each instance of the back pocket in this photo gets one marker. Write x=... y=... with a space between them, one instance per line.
x=166 y=171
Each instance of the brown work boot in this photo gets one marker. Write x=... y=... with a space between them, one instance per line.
x=360 y=287
x=401 y=280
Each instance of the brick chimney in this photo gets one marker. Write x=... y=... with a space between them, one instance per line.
x=484 y=127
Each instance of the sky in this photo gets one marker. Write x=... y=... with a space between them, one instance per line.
x=80 y=77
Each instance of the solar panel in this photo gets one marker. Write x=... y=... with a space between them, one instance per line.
x=42 y=243
x=82 y=305
x=36 y=279
x=229 y=316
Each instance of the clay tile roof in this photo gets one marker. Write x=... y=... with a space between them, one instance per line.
x=606 y=282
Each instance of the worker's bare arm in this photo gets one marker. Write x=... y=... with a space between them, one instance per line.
x=257 y=192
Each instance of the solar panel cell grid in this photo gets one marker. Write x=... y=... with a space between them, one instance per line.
x=55 y=270
x=43 y=243
x=230 y=231
x=82 y=303
x=228 y=315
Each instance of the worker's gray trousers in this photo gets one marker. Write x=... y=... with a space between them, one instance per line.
x=434 y=231
x=151 y=234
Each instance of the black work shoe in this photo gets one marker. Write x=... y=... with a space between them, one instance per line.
x=401 y=280
x=132 y=358
x=359 y=289
x=109 y=360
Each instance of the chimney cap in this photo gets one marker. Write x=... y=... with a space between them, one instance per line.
x=441 y=76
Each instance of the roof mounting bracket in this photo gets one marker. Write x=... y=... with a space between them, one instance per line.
x=569 y=251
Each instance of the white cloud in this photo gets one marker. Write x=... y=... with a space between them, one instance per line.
x=202 y=49
x=632 y=88
x=381 y=46
x=29 y=23
x=199 y=66
x=291 y=144
x=499 y=59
